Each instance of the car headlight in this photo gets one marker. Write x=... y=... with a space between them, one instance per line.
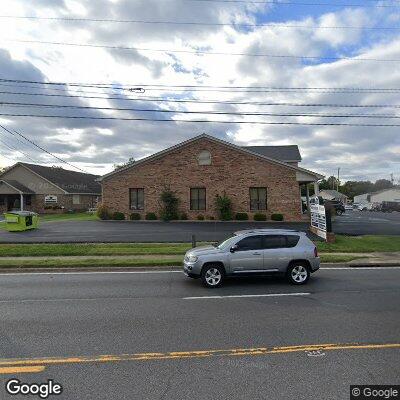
x=192 y=259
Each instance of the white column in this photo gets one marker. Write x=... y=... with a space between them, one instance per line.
x=22 y=202
x=308 y=197
x=316 y=188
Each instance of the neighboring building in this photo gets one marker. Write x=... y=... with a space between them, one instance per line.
x=391 y=194
x=200 y=168
x=42 y=189
x=328 y=194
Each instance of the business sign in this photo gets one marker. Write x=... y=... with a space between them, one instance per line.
x=50 y=199
x=318 y=217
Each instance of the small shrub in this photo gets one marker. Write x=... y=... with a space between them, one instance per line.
x=277 y=217
x=241 y=216
x=260 y=217
x=211 y=218
x=150 y=216
x=118 y=216
x=184 y=217
x=223 y=206
x=103 y=212
x=135 y=217
x=169 y=205
x=200 y=217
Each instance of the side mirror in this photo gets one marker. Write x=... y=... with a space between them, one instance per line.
x=233 y=248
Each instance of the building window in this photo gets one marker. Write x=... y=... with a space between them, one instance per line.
x=198 y=199
x=204 y=158
x=76 y=199
x=28 y=200
x=136 y=199
x=258 y=199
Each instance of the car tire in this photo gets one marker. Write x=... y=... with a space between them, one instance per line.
x=339 y=212
x=298 y=273
x=212 y=275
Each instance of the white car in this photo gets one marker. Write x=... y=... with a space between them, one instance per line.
x=365 y=207
x=348 y=207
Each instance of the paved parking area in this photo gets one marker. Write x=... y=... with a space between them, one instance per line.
x=351 y=223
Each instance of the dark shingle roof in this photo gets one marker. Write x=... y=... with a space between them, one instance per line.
x=282 y=153
x=18 y=186
x=70 y=181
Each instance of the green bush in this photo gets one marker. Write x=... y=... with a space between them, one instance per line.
x=223 y=206
x=260 y=217
x=277 y=217
x=241 y=216
x=184 y=217
x=150 y=216
x=103 y=212
x=118 y=216
x=211 y=218
x=200 y=217
x=135 y=217
x=169 y=205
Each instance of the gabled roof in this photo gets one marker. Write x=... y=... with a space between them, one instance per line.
x=19 y=187
x=333 y=192
x=214 y=139
x=65 y=179
x=288 y=153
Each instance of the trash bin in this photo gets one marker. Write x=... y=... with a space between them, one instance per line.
x=17 y=221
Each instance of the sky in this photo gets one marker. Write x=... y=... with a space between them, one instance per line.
x=332 y=34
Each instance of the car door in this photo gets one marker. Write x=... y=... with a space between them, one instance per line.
x=276 y=253
x=247 y=255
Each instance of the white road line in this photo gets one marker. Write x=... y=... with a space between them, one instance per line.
x=172 y=271
x=244 y=296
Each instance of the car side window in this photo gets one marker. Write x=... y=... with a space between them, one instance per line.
x=250 y=243
x=274 y=241
x=292 y=240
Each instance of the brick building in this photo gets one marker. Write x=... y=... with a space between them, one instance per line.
x=47 y=189
x=262 y=179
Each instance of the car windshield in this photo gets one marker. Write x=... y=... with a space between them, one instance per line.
x=223 y=243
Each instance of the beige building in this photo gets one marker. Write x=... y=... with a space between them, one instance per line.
x=47 y=189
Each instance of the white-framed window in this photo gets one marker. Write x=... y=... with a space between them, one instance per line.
x=76 y=199
x=204 y=158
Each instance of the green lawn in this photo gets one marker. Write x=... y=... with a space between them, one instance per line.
x=92 y=249
x=69 y=217
x=361 y=244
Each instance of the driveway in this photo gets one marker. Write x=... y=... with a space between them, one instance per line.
x=351 y=223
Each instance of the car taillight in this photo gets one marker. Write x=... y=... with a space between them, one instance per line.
x=315 y=252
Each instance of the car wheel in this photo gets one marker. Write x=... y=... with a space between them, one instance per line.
x=339 y=212
x=298 y=273
x=212 y=275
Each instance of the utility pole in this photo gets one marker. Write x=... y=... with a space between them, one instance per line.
x=338 y=176
x=391 y=178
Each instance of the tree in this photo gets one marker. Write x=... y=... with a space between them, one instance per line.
x=169 y=205
x=382 y=184
x=126 y=164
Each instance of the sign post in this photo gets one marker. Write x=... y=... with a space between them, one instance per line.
x=321 y=223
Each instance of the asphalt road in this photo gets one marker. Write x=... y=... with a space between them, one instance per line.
x=351 y=223
x=61 y=324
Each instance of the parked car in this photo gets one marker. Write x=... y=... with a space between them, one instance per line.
x=348 y=207
x=390 y=206
x=365 y=207
x=337 y=205
x=254 y=252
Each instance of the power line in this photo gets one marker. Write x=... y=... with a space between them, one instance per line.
x=12 y=148
x=202 y=52
x=282 y=3
x=252 y=103
x=14 y=132
x=19 y=104
x=130 y=87
x=196 y=121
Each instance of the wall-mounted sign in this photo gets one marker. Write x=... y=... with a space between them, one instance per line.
x=50 y=199
x=318 y=217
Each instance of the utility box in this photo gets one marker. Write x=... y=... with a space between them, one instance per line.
x=18 y=221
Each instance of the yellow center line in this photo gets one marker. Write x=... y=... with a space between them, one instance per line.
x=19 y=370
x=109 y=358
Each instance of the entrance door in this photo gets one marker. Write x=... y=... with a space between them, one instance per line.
x=13 y=202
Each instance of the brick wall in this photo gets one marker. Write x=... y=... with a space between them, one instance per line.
x=231 y=171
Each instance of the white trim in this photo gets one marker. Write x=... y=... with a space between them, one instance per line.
x=223 y=142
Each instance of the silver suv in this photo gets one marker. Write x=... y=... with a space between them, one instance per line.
x=254 y=252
